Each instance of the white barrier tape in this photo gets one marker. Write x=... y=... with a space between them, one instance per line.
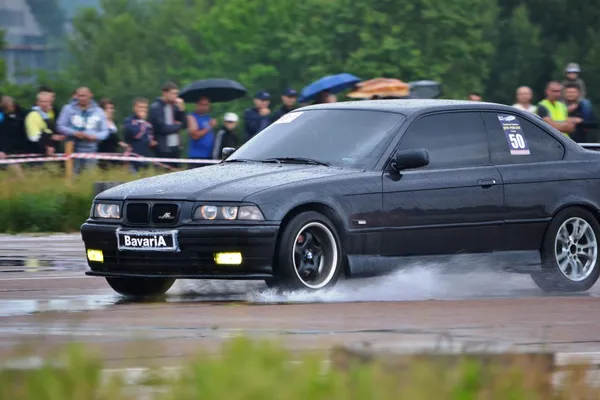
x=56 y=154
x=108 y=156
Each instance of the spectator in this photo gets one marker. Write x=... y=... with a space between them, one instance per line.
x=258 y=117
x=554 y=111
x=322 y=97
x=572 y=71
x=524 y=97
x=200 y=129
x=112 y=142
x=474 y=96
x=53 y=113
x=41 y=128
x=226 y=136
x=84 y=122
x=576 y=109
x=53 y=117
x=288 y=100
x=138 y=133
x=12 y=128
x=168 y=118
x=332 y=98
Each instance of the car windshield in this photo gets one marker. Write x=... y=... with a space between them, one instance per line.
x=343 y=138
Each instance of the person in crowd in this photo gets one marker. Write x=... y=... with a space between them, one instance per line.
x=84 y=122
x=258 y=117
x=167 y=116
x=53 y=113
x=572 y=75
x=12 y=128
x=576 y=110
x=475 y=96
x=112 y=143
x=322 y=97
x=138 y=133
x=41 y=127
x=200 y=128
x=524 y=97
x=226 y=136
x=554 y=111
x=288 y=102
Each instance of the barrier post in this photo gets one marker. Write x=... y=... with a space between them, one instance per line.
x=69 y=145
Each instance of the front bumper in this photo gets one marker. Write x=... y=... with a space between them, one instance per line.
x=195 y=260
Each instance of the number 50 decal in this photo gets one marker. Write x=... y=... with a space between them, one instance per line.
x=517 y=144
x=516 y=140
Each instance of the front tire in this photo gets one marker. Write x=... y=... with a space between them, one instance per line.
x=309 y=254
x=140 y=287
x=570 y=253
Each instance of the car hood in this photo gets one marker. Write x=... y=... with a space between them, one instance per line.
x=220 y=182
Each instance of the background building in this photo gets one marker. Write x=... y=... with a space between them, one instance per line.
x=34 y=34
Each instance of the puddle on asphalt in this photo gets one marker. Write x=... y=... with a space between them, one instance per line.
x=25 y=264
x=417 y=281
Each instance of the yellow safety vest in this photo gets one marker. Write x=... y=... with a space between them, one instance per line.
x=558 y=111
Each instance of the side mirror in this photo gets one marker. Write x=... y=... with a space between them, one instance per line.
x=226 y=152
x=410 y=159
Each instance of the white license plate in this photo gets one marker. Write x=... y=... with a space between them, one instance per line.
x=147 y=240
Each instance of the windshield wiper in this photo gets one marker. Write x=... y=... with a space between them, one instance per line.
x=298 y=160
x=240 y=160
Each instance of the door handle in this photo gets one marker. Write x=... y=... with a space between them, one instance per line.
x=486 y=183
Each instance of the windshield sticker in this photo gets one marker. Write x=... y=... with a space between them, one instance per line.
x=287 y=118
x=514 y=135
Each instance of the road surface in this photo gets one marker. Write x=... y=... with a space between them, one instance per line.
x=47 y=301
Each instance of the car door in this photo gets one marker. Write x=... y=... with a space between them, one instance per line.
x=530 y=162
x=454 y=204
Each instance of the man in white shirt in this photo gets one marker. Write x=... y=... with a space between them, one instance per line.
x=524 y=97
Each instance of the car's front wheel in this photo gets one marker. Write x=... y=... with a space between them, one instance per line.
x=570 y=253
x=309 y=254
x=140 y=287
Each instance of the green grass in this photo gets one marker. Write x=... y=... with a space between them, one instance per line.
x=262 y=370
x=42 y=200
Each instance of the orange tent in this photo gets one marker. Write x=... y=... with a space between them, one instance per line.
x=381 y=87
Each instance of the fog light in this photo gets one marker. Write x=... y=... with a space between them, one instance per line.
x=95 y=255
x=228 y=258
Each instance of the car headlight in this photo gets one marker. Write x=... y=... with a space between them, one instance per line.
x=228 y=213
x=107 y=211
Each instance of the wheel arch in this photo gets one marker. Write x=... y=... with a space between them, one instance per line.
x=326 y=210
x=588 y=206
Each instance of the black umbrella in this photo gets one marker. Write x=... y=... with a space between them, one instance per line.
x=217 y=90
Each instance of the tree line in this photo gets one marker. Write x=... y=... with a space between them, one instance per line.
x=490 y=46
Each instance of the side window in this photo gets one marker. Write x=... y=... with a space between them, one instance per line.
x=452 y=139
x=515 y=140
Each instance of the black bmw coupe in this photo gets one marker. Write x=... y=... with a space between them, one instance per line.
x=352 y=188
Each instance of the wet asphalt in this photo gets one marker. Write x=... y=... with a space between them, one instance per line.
x=47 y=301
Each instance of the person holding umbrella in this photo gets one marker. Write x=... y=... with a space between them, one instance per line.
x=258 y=117
x=200 y=129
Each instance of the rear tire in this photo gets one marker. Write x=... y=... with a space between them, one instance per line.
x=309 y=254
x=569 y=253
x=140 y=287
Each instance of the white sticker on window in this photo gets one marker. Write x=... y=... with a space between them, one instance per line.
x=517 y=143
x=287 y=118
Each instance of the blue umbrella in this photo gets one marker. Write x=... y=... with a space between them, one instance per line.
x=331 y=83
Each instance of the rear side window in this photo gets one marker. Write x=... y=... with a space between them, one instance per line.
x=453 y=139
x=515 y=140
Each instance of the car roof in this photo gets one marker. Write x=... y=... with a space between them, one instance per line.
x=410 y=106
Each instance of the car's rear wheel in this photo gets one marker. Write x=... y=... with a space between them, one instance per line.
x=570 y=253
x=140 y=287
x=309 y=254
